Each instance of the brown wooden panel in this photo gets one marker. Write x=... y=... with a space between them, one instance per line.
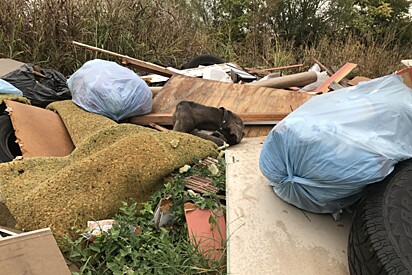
x=39 y=132
x=240 y=99
x=167 y=119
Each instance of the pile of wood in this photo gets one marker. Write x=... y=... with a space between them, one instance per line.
x=260 y=97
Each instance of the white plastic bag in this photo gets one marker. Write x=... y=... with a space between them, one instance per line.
x=321 y=156
x=106 y=88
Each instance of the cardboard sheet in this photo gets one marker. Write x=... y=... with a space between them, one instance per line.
x=39 y=132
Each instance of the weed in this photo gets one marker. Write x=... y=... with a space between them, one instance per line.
x=135 y=246
x=171 y=33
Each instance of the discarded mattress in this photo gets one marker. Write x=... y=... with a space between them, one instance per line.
x=111 y=163
x=106 y=88
x=322 y=155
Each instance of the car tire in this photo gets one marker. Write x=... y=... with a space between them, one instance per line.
x=204 y=59
x=9 y=149
x=380 y=240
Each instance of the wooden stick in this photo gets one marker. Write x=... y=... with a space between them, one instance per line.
x=142 y=65
x=158 y=127
x=338 y=76
x=283 y=67
x=323 y=67
x=38 y=74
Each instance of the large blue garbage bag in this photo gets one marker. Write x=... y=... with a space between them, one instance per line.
x=106 y=88
x=321 y=156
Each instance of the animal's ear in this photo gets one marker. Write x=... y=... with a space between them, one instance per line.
x=236 y=120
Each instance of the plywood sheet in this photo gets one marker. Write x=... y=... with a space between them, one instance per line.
x=269 y=236
x=8 y=65
x=238 y=98
x=39 y=132
x=34 y=252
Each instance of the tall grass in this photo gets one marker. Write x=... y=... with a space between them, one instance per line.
x=168 y=33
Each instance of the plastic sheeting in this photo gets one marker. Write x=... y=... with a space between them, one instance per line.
x=321 y=156
x=106 y=88
x=40 y=86
x=7 y=88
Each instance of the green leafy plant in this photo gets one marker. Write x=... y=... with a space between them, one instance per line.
x=134 y=245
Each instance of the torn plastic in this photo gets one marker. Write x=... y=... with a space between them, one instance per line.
x=163 y=214
x=106 y=88
x=321 y=156
x=40 y=86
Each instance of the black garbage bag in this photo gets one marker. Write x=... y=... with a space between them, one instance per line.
x=41 y=86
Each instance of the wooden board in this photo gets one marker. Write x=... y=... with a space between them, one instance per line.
x=35 y=252
x=406 y=74
x=8 y=65
x=338 y=76
x=357 y=79
x=238 y=98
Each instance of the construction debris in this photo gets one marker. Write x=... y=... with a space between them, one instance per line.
x=128 y=61
x=103 y=163
x=112 y=163
x=33 y=252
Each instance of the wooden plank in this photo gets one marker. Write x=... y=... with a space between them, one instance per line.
x=406 y=74
x=250 y=102
x=335 y=86
x=283 y=67
x=357 y=79
x=235 y=97
x=142 y=65
x=338 y=76
x=9 y=65
x=158 y=127
x=35 y=252
x=248 y=118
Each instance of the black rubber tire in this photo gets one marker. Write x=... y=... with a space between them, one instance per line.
x=9 y=149
x=204 y=59
x=380 y=240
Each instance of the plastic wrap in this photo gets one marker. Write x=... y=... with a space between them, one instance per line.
x=321 y=156
x=106 y=88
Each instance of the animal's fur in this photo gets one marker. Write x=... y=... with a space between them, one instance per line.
x=198 y=119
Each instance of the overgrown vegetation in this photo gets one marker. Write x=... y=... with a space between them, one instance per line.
x=136 y=246
x=258 y=33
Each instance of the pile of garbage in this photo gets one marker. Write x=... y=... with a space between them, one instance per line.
x=336 y=137
x=111 y=163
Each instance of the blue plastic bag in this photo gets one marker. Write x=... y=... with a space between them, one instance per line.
x=7 y=88
x=322 y=155
x=106 y=88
